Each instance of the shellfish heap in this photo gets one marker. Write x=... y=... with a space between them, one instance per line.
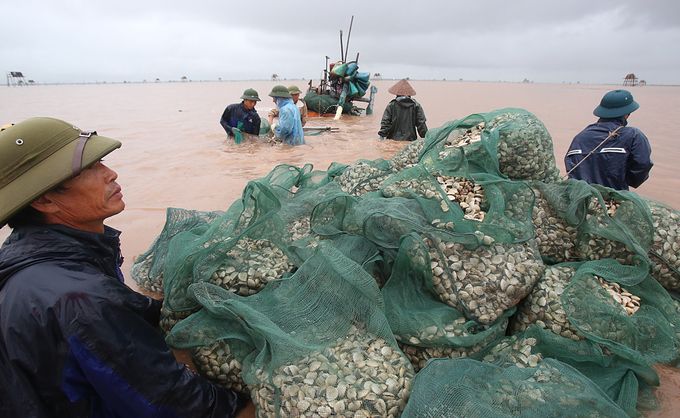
x=484 y=282
x=543 y=306
x=466 y=193
x=407 y=156
x=360 y=375
x=666 y=222
x=525 y=152
x=418 y=355
x=361 y=177
x=217 y=364
x=521 y=350
x=140 y=273
x=596 y=247
x=556 y=240
x=251 y=264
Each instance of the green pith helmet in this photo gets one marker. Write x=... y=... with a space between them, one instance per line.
x=294 y=90
x=280 y=91
x=251 y=94
x=615 y=104
x=38 y=154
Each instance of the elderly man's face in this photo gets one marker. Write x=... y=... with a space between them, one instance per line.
x=249 y=104
x=88 y=199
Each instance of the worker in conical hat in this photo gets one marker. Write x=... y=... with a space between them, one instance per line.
x=403 y=116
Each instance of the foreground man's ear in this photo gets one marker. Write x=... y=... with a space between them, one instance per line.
x=45 y=204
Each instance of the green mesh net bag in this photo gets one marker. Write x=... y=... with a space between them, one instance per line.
x=625 y=382
x=424 y=326
x=468 y=388
x=506 y=142
x=482 y=281
x=240 y=251
x=642 y=332
x=320 y=341
x=574 y=220
x=450 y=194
x=620 y=307
x=324 y=103
x=147 y=270
x=618 y=225
x=666 y=244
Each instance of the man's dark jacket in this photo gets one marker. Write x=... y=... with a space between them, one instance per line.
x=75 y=341
x=401 y=118
x=237 y=112
x=623 y=160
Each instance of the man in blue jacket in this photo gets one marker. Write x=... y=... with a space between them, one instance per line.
x=75 y=341
x=289 y=130
x=609 y=152
x=242 y=117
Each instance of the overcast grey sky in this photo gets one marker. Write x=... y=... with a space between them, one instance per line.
x=546 y=41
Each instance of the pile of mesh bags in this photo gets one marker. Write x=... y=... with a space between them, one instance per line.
x=463 y=261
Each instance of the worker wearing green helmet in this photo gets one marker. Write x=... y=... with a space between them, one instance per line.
x=75 y=340
x=289 y=130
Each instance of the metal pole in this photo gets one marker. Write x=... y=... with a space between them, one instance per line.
x=348 y=35
x=342 y=58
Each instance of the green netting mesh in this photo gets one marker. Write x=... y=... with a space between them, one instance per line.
x=468 y=388
x=323 y=103
x=620 y=307
x=147 y=270
x=643 y=333
x=241 y=250
x=610 y=223
x=506 y=142
x=664 y=252
x=319 y=340
x=423 y=325
x=622 y=380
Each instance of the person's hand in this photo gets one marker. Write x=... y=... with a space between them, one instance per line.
x=381 y=138
x=234 y=130
x=272 y=127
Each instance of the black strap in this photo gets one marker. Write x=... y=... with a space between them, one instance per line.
x=77 y=166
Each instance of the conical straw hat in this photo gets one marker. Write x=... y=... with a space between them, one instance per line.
x=402 y=88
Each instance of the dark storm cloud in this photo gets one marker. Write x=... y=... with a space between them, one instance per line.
x=545 y=41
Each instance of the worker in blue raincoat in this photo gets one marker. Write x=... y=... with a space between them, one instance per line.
x=609 y=152
x=75 y=340
x=289 y=130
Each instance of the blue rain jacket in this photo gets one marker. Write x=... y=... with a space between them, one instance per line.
x=237 y=112
x=623 y=161
x=75 y=341
x=289 y=129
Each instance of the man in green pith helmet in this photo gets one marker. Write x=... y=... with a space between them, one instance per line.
x=242 y=117
x=75 y=340
x=289 y=130
x=300 y=103
x=609 y=152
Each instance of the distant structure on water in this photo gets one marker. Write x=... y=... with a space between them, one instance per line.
x=275 y=77
x=16 y=78
x=630 y=80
